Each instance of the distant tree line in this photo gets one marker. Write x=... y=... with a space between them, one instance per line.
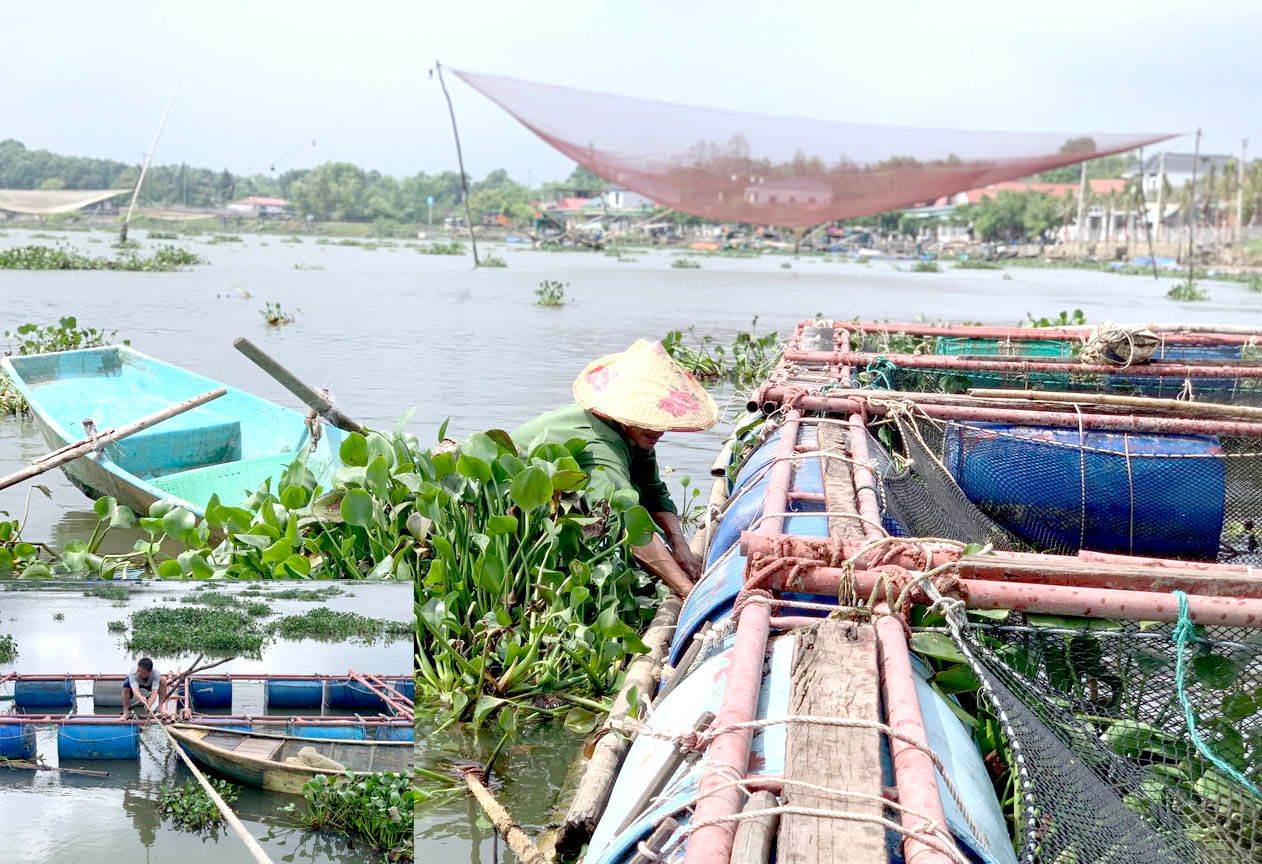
x=333 y=191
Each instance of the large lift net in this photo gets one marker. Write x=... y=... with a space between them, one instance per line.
x=754 y=168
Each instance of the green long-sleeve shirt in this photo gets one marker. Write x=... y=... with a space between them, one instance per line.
x=608 y=448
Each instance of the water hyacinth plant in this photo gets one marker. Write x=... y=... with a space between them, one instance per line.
x=189 y=805
x=378 y=808
x=527 y=597
x=745 y=362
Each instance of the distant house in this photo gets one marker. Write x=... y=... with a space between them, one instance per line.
x=260 y=207
x=802 y=191
x=614 y=209
x=1178 y=167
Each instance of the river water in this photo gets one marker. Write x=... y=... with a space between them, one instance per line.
x=390 y=329
x=72 y=819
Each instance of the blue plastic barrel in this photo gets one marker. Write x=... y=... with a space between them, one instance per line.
x=210 y=693
x=44 y=694
x=293 y=693
x=395 y=733
x=17 y=740
x=324 y=730
x=234 y=725
x=98 y=741
x=405 y=686
x=349 y=693
x=1167 y=500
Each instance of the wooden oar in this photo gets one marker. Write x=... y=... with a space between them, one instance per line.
x=71 y=452
x=290 y=382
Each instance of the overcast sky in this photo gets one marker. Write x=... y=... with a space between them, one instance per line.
x=260 y=81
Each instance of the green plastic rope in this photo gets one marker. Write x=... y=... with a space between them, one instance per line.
x=1184 y=630
x=883 y=368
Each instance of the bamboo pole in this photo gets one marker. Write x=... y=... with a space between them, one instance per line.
x=256 y=851
x=602 y=769
x=514 y=835
x=755 y=837
x=144 y=169
x=24 y=765
x=1176 y=406
x=464 y=178
x=73 y=451
x=309 y=397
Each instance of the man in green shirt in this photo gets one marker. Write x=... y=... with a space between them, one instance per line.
x=624 y=403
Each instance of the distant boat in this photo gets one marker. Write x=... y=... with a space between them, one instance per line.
x=227 y=447
x=258 y=759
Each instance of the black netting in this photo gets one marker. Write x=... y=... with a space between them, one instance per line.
x=1189 y=497
x=1113 y=772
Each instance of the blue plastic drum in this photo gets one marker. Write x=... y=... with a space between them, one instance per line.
x=98 y=741
x=210 y=693
x=17 y=740
x=395 y=733
x=1156 y=495
x=293 y=693
x=324 y=730
x=349 y=693
x=44 y=694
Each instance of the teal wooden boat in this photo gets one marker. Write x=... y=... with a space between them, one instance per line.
x=227 y=447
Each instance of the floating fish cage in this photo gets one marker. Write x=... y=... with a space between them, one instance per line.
x=87 y=741
x=842 y=679
x=1128 y=477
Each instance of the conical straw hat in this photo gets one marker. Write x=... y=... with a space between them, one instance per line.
x=644 y=387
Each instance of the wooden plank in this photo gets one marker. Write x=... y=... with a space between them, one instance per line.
x=839 y=490
x=754 y=837
x=834 y=674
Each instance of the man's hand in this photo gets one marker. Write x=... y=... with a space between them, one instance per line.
x=688 y=562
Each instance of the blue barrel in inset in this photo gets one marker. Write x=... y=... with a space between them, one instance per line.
x=325 y=730
x=405 y=686
x=98 y=741
x=293 y=693
x=395 y=733
x=210 y=692
x=44 y=694
x=17 y=740
x=234 y=725
x=1157 y=495
x=349 y=693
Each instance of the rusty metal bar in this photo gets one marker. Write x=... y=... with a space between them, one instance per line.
x=1200 y=369
x=1171 y=333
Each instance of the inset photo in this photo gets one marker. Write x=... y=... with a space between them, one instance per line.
x=195 y=722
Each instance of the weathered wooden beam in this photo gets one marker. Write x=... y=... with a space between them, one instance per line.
x=754 y=837
x=834 y=675
x=839 y=486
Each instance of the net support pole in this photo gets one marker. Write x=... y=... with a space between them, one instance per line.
x=464 y=178
x=729 y=751
x=914 y=774
x=144 y=169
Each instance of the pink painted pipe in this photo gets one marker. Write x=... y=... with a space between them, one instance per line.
x=864 y=481
x=1229 y=369
x=774 y=396
x=1020 y=334
x=1050 y=599
x=712 y=844
x=1094 y=570
x=914 y=773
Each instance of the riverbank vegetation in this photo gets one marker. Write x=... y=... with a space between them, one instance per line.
x=378 y=809
x=550 y=293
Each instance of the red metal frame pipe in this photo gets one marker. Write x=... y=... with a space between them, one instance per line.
x=914 y=772
x=255 y=720
x=1155 y=425
x=1034 y=334
x=716 y=798
x=1048 y=599
x=1230 y=369
x=1093 y=570
x=864 y=480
